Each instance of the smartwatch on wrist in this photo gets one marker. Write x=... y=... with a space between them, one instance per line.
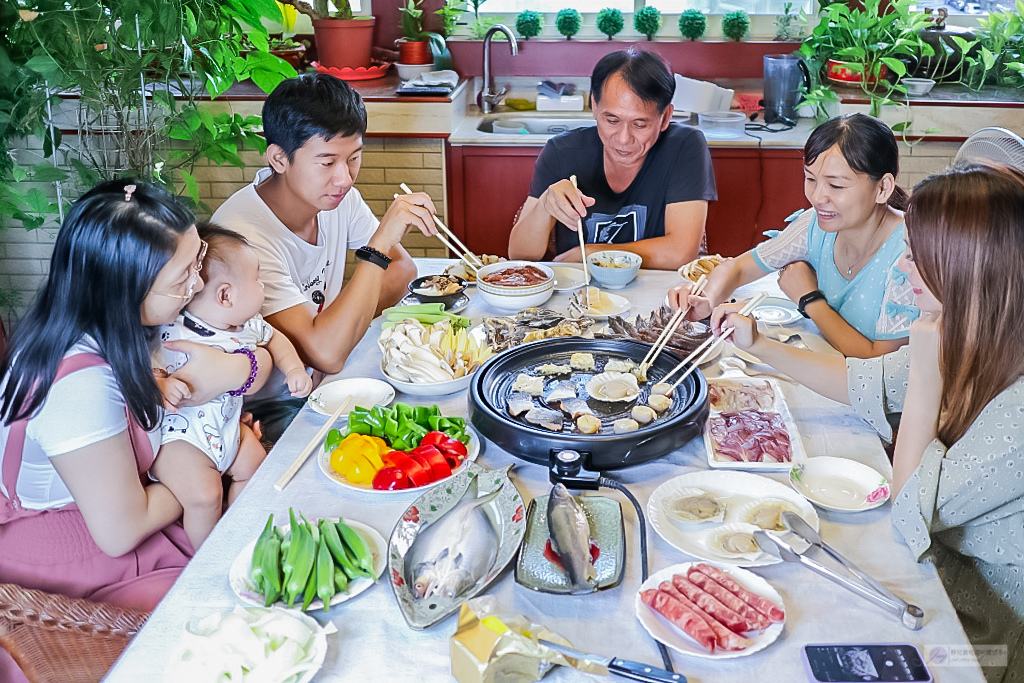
x=373 y=256
x=808 y=298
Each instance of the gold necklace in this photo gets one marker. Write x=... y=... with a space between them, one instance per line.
x=871 y=240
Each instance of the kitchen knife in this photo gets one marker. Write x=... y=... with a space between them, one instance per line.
x=635 y=671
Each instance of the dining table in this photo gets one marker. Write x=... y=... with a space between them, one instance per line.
x=374 y=644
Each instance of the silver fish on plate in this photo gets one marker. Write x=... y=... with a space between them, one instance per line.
x=453 y=541
x=546 y=418
x=453 y=553
x=569 y=531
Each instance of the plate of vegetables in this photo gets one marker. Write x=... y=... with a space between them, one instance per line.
x=397 y=449
x=324 y=562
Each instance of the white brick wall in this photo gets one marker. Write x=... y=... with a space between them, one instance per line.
x=25 y=255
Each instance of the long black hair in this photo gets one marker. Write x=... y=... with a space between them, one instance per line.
x=107 y=256
x=867 y=144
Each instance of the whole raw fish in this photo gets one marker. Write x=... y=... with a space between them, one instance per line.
x=569 y=531
x=450 y=555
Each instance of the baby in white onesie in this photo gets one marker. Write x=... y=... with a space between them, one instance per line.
x=201 y=443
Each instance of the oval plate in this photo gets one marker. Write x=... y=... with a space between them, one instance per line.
x=839 y=484
x=538 y=573
x=664 y=631
x=324 y=461
x=458 y=306
x=735 y=489
x=507 y=512
x=365 y=391
x=241 y=584
x=620 y=305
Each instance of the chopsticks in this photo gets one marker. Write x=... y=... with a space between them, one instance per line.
x=673 y=325
x=469 y=257
x=750 y=306
x=304 y=455
x=583 y=250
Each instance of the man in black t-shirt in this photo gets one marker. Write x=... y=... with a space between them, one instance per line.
x=644 y=182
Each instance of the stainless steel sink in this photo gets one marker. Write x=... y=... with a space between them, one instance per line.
x=525 y=125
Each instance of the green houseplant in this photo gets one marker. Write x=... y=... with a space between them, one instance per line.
x=413 y=46
x=789 y=25
x=693 y=24
x=450 y=13
x=568 y=22
x=120 y=71
x=342 y=39
x=735 y=24
x=529 y=24
x=610 y=21
x=647 y=21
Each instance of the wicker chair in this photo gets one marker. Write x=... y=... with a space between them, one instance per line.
x=61 y=639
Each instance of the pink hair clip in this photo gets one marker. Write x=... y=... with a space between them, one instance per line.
x=128 y=189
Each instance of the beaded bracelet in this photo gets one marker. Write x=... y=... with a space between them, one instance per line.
x=254 y=368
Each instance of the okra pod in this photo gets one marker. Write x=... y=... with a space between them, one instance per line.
x=305 y=555
x=325 y=575
x=309 y=592
x=363 y=556
x=256 y=566
x=271 y=562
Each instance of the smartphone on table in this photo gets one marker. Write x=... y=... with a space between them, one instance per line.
x=885 y=663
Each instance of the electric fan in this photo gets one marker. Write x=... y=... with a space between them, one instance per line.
x=997 y=145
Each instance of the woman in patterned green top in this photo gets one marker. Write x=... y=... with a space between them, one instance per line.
x=958 y=465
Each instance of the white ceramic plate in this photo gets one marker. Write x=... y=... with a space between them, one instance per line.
x=568 y=279
x=796 y=444
x=241 y=584
x=664 y=631
x=324 y=461
x=620 y=305
x=366 y=392
x=734 y=489
x=839 y=484
x=460 y=304
x=777 y=311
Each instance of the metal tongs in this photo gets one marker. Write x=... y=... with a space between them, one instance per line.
x=912 y=616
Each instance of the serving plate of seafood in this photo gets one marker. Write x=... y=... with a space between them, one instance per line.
x=574 y=544
x=750 y=426
x=586 y=395
x=453 y=541
x=532 y=324
x=712 y=515
x=710 y=610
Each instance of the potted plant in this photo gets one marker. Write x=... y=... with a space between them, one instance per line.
x=529 y=24
x=610 y=22
x=647 y=21
x=568 y=22
x=342 y=39
x=692 y=24
x=413 y=47
x=861 y=47
x=284 y=45
x=735 y=25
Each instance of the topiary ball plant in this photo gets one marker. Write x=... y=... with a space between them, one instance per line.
x=609 y=21
x=647 y=20
x=568 y=22
x=693 y=24
x=735 y=24
x=529 y=24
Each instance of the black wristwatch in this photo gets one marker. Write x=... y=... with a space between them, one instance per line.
x=808 y=298
x=373 y=256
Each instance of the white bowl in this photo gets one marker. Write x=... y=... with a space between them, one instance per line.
x=628 y=265
x=432 y=388
x=507 y=298
x=918 y=86
x=407 y=72
x=839 y=484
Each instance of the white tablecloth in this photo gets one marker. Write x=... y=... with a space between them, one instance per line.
x=373 y=642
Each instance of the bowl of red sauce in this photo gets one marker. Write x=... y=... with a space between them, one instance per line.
x=515 y=285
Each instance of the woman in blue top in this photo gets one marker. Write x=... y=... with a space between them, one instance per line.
x=838 y=259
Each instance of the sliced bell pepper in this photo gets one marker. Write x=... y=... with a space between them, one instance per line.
x=417 y=473
x=356 y=468
x=439 y=467
x=390 y=479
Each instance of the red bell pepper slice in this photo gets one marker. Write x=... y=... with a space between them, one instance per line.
x=433 y=438
x=438 y=465
x=445 y=444
x=390 y=479
x=418 y=473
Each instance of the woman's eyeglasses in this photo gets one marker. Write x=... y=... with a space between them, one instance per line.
x=203 y=246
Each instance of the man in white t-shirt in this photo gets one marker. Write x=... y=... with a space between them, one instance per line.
x=302 y=214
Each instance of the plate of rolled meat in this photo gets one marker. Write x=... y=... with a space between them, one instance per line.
x=710 y=610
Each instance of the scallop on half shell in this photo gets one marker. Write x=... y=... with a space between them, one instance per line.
x=694 y=506
x=733 y=542
x=766 y=513
x=613 y=386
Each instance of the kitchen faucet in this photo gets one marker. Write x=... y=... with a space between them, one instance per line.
x=488 y=98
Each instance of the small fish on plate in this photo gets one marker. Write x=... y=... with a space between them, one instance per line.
x=569 y=532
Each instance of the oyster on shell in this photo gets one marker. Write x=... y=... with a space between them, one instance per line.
x=613 y=386
x=695 y=506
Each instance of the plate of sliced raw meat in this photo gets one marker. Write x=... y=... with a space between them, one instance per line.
x=710 y=610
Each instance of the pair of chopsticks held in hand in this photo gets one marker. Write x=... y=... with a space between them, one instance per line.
x=472 y=261
x=706 y=350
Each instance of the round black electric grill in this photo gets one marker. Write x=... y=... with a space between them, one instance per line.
x=492 y=385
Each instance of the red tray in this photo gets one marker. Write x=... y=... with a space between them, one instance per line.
x=377 y=69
